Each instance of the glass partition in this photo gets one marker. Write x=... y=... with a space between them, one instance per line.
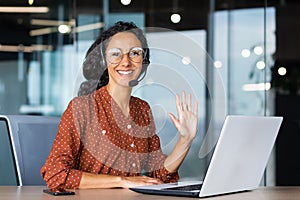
x=243 y=49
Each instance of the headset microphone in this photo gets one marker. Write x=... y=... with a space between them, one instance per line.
x=134 y=82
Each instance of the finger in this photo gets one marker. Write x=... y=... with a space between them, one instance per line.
x=151 y=180
x=189 y=103
x=178 y=104
x=173 y=119
x=183 y=99
x=196 y=108
x=184 y=104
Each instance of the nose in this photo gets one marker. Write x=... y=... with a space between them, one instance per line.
x=125 y=59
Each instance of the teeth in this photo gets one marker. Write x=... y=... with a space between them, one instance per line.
x=125 y=72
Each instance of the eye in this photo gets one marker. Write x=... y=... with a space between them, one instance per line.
x=135 y=52
x=114 y=53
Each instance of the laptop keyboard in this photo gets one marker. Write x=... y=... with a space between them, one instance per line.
x=186 y=187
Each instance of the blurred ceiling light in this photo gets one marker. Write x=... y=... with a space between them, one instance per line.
x=30 y=2
x=258 y=50
x=38 y=47
x=43 y=22
x=42 y=31
x=9 y=9
x=64 y=29
x=125 y=2
x=260 y=65
x=25 y=49
x=218 y=64
x=89 y=27
x=256 y=87
x=245 y=53
x=175 y=18
x=45 y=31
x=282 y=71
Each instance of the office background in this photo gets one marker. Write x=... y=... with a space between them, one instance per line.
x=237 y=57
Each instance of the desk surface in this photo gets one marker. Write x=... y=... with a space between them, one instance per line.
x=35 y=192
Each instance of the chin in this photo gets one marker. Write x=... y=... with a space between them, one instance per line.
x=124 y=83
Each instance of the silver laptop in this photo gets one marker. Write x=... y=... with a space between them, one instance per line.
x=238 y=162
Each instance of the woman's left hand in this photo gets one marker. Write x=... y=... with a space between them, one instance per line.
x=187 y=122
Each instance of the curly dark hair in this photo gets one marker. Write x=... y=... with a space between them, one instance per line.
x=94 y=65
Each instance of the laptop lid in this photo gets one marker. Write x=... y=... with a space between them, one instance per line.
x=239 y=159
x=241 y=154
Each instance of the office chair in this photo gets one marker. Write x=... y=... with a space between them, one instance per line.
x=26 y=147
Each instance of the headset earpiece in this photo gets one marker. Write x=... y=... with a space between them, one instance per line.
x=102 y=56
x=146 y=60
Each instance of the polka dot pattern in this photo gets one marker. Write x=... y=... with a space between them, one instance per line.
x=95 y=136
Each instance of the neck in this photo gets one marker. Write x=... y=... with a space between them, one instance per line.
x=121 y=96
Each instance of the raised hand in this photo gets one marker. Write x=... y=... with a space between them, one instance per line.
x=187 y=121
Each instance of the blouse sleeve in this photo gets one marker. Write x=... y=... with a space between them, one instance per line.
x=156 y=161
x=156 y=157
x=59 y=169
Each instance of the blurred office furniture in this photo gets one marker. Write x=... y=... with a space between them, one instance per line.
x=8 y=170
x=25 y=142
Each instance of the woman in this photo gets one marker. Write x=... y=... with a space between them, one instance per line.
x=106 y=137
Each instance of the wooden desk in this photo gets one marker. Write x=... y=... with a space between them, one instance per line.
x=36 y=193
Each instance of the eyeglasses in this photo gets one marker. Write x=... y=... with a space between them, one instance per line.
x=115 y=55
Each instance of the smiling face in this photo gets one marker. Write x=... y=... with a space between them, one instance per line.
x=126 y=70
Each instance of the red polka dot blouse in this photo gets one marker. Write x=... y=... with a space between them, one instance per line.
x=95 y=136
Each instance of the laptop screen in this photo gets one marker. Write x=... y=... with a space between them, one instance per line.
x=8 y=172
